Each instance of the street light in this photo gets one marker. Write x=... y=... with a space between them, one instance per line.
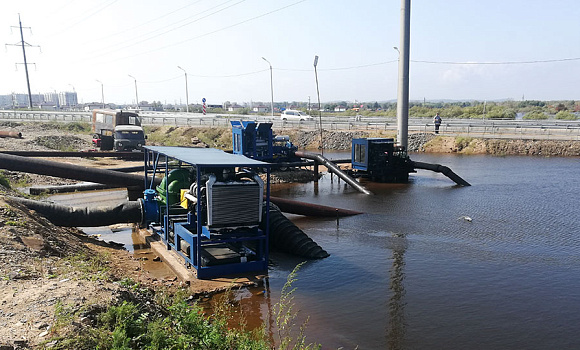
x=319 y=107
x=186 y=93
x=396 y=48
x=136 y=96
x=102 y=93
x=271 y=86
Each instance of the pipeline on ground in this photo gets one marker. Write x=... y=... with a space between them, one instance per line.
x=11 y=134
x=284 y=235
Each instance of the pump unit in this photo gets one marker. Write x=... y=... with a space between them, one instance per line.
x=381 y=160
x=257 y=141
x=210 y=207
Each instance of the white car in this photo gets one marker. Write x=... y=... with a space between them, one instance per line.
x=290 y=114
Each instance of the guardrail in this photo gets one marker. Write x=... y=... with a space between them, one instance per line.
x=520 y=129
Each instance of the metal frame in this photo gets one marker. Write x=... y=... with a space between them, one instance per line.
x=192 y=231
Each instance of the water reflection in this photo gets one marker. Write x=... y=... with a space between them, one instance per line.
x=396 y=321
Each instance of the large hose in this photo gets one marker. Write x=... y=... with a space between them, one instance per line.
x=288 y=238
x=62 y=215
x=333 y=168
x=70 y=171
x=442 y=169
x=284 y=235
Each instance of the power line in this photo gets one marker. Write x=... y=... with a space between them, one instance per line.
x=133 y=42
x=212 y=32
x=498 y=63
x=338 y=68
x=83 y=19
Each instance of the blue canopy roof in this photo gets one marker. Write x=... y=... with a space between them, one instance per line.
x=206 y=156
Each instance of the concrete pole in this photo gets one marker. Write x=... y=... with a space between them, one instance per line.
x=102 y=93
x=403 y=88
x=136 y=95
x=186 y=91
x=271 y=87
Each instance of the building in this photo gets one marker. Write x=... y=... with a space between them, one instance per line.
x=67 y=99
x=260 y=109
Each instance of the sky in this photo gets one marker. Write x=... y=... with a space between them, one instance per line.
x=460 y=49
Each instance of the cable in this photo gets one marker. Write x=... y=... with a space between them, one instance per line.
x=494 y=63
x=212 y=32
x=85 y=18
x=133 y=42
x=340 y=68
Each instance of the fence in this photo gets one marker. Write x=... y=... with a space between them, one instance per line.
x=519 y=129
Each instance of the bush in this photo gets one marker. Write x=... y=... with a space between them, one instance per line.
x=535 y=115
x=565 y=115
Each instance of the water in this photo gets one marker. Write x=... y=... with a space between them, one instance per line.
x=413 y=273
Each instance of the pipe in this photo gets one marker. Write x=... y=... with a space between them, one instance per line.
x=333 y=168
x=70 y=171
x=12 y=134
x=284 y=235
x=85 y=186
x=309 y=209
x=62 y=215
x=442 y=169
x=82 y=154
x=288 y=238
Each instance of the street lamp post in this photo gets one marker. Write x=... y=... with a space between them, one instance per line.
x=271 y=86
x=186 y=92
x=136 y=96
x=319 y=107
x=102 y=93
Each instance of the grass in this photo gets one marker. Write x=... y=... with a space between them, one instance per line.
x=4 y=182
x=175 y=323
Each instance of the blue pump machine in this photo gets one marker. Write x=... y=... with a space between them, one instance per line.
x=211 y=207
x=257 y=141
x=380 y=160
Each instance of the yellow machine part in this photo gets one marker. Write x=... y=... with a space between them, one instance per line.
x=183 y=201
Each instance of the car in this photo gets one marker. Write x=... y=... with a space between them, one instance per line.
x=290 y=114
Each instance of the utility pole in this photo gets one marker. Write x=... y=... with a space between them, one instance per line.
x=319 y=108
x=186 y=92
x=403 y=88
x=24 y=44
x=271 y=87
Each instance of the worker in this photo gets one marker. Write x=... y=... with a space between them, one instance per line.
x=437 y=121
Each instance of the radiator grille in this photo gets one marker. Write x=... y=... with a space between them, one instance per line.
x=235 y=204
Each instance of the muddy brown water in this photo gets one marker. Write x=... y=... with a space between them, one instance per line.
x=431 y=265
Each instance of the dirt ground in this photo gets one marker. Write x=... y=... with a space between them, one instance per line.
x=48 y=271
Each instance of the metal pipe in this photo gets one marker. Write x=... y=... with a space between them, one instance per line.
x=335 y=169
x=70 y=171
x=442 y=169
x=12 y=134
x=309 y=209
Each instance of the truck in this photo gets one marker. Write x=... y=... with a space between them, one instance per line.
x=117 y=130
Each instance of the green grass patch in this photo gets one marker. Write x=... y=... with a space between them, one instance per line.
x=4 y=182
x=178 y=324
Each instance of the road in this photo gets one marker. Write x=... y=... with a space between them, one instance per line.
x=519 y=129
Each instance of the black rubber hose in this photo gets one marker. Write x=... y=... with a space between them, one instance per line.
x=62 y=215
x=288 y=238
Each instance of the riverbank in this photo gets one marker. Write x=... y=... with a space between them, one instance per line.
x=341 y=141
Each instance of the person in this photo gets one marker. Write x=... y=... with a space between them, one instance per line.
x=437 y=121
